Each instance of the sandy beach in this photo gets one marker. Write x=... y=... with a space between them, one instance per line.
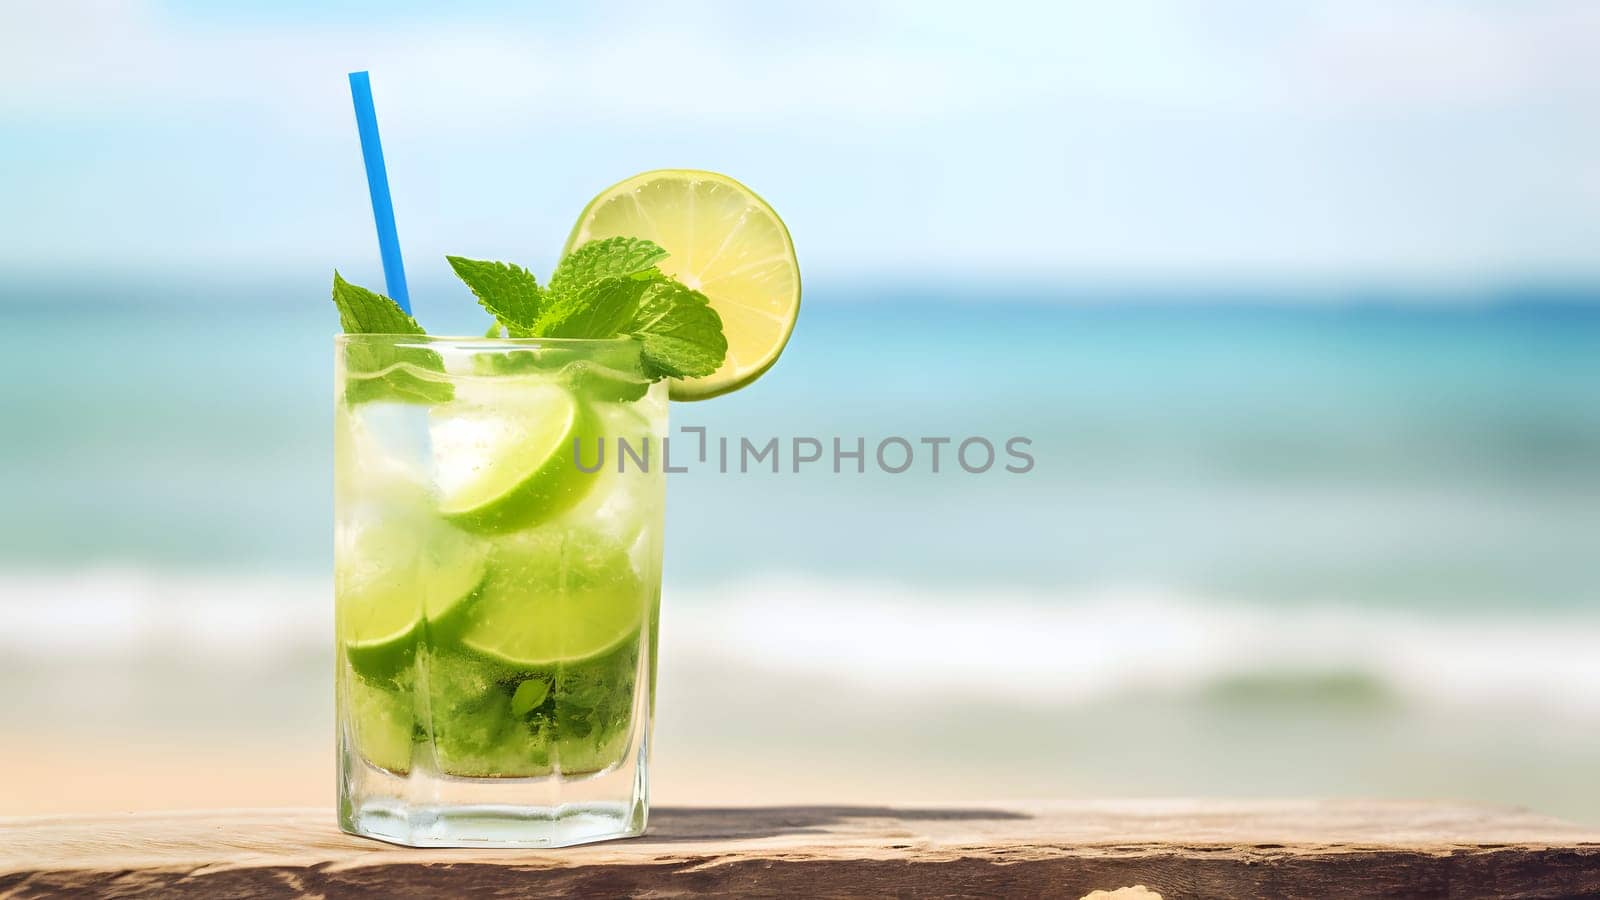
x=731 y=734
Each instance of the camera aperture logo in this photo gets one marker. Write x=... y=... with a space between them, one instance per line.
x=800 y=454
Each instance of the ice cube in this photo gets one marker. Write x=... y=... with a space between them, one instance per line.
x=388 y=443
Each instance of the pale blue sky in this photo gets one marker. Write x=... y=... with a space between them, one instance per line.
x=1406 y=140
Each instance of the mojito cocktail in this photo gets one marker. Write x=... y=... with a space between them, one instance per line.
x=495 y=602
x=498 y=515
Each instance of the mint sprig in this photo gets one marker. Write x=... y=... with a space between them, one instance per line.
x=606 y=288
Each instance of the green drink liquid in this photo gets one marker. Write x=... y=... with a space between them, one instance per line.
x=495 y=604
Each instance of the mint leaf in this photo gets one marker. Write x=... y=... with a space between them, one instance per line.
x=510 y=293
x=617 y=257
x=599 y=310
x=365 y=312
x=681 y=333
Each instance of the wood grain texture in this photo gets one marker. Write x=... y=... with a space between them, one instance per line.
x=1182 y=849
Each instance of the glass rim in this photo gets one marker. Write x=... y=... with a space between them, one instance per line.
x=480 y=342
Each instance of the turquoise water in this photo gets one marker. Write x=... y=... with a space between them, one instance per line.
x=1378 y=454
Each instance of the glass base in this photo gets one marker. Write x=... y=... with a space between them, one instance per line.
x=495 y=826
x=427 y=809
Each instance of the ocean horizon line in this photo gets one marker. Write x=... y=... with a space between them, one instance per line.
x=36 y=291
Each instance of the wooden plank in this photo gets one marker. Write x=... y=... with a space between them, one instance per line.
x=1179 y=849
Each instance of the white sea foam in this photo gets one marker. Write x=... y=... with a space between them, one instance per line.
x=129 y=613
x=1024 y=647
x=1055 y=647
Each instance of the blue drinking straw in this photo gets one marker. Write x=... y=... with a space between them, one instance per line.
x=394 y=271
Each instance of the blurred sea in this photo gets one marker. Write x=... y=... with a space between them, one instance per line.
x=1292 y=542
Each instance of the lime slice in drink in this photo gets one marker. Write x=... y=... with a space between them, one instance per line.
x=503 y=458
x=725 y=242
x=550 y=596
x=387 y=571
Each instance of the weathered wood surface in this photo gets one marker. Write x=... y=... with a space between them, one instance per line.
x=1180 y=849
